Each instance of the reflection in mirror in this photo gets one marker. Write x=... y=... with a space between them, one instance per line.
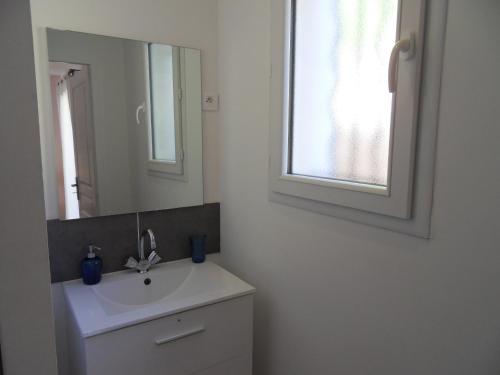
x=126 y=133
x=163 y=73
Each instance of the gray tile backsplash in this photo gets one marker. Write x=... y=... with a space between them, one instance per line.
x=172 y=229
x=117 y=236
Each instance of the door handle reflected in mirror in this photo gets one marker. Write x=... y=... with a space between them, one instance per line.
x=77 y=185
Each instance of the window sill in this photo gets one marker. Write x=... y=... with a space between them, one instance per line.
x=337 y=184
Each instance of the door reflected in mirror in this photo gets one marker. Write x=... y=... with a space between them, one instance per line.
x=126 y=132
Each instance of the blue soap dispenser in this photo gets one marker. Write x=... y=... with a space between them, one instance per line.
x=91 y=267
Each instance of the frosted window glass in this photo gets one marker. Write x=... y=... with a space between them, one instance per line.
x=341 y=105
x=162 y=101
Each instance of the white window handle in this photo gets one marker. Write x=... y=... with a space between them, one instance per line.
x=194 y=331
x=141 y=107
x=407 y=46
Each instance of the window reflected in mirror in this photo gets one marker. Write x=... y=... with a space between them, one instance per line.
x=165 y=92
x=165 y=101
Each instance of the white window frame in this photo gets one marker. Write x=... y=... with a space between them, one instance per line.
x=174 y=169
x=406 y=205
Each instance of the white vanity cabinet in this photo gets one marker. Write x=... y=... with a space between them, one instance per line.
x=215 y=339
x=179 y=318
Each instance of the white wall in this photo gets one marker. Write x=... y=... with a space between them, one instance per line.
x=26 y=322
x=335 y=297
x=109 y=107
x=188 y=23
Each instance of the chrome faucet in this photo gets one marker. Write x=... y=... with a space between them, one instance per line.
x=144 y=264
x=152 y=243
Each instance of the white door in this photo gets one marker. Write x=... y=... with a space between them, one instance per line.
x=83 y=135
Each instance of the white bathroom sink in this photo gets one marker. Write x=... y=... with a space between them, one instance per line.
x=125 y=298
x=130 y=289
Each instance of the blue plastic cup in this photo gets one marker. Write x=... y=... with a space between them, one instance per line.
x=198 y=248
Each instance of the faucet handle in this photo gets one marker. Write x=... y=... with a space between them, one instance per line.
x=153 y=258
x=131 y=263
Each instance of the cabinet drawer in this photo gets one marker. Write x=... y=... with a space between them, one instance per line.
x=180 y=344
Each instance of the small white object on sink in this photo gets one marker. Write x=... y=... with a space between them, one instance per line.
x=179 y=318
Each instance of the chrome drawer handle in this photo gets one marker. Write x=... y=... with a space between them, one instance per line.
x=168 y=339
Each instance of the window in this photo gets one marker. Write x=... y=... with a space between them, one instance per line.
x=345 y=103
x=341 y=109
x=166 y=153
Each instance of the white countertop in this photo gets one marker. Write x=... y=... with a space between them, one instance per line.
x=122 y=299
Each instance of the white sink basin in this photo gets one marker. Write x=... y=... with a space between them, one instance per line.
x=126 y=298
x=130 y=289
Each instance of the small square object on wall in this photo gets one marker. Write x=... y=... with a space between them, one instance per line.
x=210 y=101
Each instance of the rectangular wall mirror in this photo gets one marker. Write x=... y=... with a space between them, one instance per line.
x=126 y=129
